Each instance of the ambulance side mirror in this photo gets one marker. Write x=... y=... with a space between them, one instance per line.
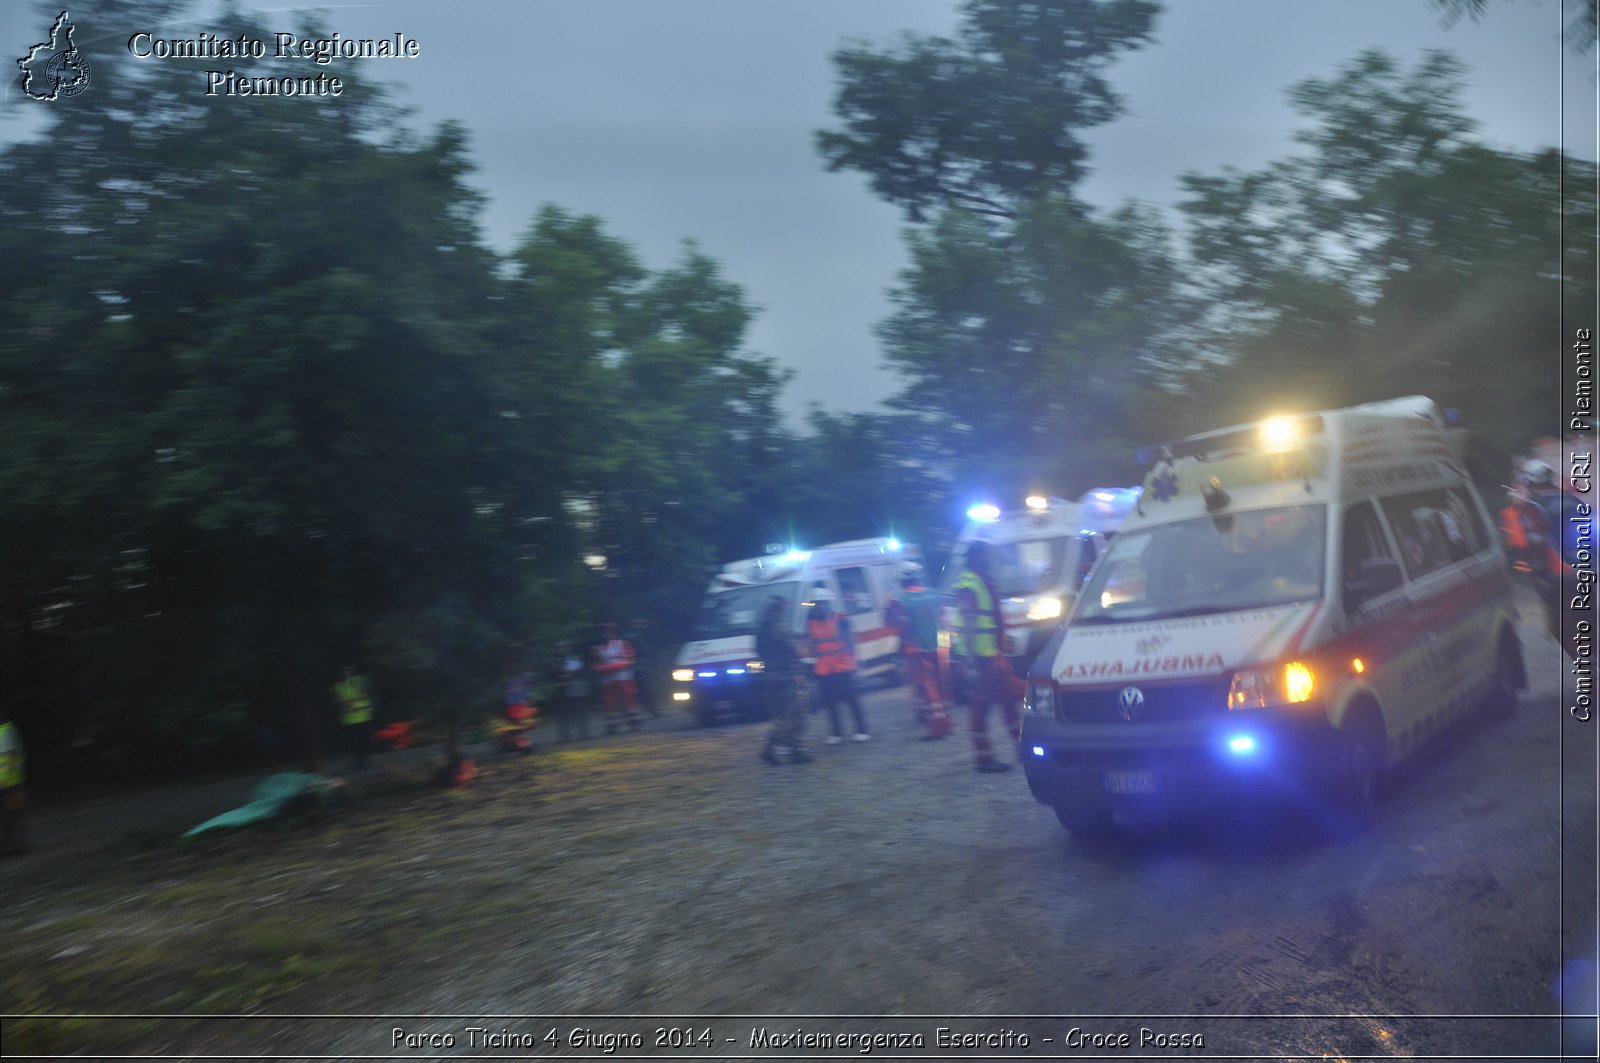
x=1377 y=576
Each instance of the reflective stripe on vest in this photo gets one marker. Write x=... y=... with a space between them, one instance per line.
x=10 y=757
x=986 y=641
x=355 y=703
x=828 y=646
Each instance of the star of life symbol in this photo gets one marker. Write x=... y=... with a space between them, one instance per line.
x=1151 y=644
x=55 y=68
x=1130 y=702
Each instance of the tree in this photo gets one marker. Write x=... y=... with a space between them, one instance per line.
x=1583 y=19
x=990 y=120
x=252 y=420
x=1398 y=255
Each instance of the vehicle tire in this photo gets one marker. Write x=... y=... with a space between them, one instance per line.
x=1354 y=783
x=1505 y=682
x=1087 y=821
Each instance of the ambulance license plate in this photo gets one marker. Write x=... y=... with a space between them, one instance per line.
x=1131 y=782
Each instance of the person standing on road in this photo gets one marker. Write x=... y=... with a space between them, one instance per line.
x=985 y=673
x=783 y=685
x=13 y=788
x=637 y=635
x=833 y=649
x=614 y=662
x=1552 y=550
x=915 y=616
x=571 y=681
x=357 y=706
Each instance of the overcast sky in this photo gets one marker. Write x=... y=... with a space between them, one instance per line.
x=692 y=119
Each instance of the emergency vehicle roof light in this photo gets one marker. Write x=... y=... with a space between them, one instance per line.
x=1279 y=434
x=1452 y=418
x=984 y=512
x=1037 y=502
x=794 y=557
x=893 y=543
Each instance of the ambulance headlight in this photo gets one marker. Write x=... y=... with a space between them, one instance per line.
x=984 y=512
x=683 y=675
x=755 y=666
x=1044 y=608
x=1040 y=700
x=1259 y=688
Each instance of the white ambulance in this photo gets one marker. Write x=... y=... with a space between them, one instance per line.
x=716 y=675
x=1293 y=606
x=1039 y=557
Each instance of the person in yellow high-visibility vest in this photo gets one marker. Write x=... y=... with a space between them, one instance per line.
x=976 y=648
x=357 y=707
x=13 y=791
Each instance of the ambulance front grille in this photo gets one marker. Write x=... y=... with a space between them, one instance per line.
x=1162 y=703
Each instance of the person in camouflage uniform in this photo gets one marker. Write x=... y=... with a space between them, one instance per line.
x=784 y=686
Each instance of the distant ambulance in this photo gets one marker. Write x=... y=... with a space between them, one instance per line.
x=1039 y=556
x=1292 y=605
x=717 y=674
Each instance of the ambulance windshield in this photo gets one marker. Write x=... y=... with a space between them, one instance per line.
x=1021 y=569
x=726 y=614
x=1218 y=564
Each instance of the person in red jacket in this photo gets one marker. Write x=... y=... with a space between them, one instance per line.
x=614 y=662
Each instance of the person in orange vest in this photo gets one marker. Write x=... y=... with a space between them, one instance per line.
x=915 y=616
x=1563 y=521
x=614 y=661
x=833 y=651
x=987 y=675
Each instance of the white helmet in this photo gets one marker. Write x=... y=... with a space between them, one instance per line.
x=1537 y=472
x=908 y=571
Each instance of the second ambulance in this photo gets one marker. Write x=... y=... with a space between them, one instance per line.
x=1292 y=607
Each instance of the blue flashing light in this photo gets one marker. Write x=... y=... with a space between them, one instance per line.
x=1452 y=418
x=706 y=675
x=1038 y=751
x=794 y=557
x=893 y=544
x=1241 y=745
x=736 y=671
x=984 y=512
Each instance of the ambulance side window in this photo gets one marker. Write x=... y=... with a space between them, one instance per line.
x=856 y=595
x=1465 y=512
x=1430 y=535
x=1363 y=539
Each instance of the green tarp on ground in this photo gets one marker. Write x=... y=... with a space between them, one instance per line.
x=272 y=796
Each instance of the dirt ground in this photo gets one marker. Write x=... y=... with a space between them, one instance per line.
x=668 y=872
x=670 y=886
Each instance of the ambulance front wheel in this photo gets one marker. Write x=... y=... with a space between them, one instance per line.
x=1507 y=679
x=1357 y=774
x=1085 y=820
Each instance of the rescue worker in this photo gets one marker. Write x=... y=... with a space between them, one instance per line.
x=614 y=662
x=783 y=685
x=13 y=788
x=1552 y=547
x=570 y=679
x=357 y=707
x=985 y=674
x=915 y=616
x=831 y=647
